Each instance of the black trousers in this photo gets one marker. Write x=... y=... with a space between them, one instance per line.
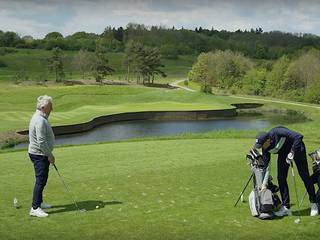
x=300 y=160
x=41 y=170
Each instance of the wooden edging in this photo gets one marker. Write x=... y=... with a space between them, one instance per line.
x=191 y=115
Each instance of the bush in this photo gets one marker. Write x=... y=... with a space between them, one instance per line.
x=291 y=112
x=3 y=51
x=186 y=82
x=3 y=64
x=206 y=89
x=41 y=80
x=24 y=45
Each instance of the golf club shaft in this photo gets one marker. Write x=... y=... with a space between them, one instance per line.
x=295 y=187
x=65 y=186
x=243 y=190
x=303 y=198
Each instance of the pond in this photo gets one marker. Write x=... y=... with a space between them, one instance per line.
x=156 y=128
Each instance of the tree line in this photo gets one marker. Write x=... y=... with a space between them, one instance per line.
x=296 y=79
x=140 y=60
x=172 y=42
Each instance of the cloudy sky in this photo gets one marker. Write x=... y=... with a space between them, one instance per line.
x=39 y=17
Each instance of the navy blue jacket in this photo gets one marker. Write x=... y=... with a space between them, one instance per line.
x=282 y=142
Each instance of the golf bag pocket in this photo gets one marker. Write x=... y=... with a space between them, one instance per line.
x=254 y=203
x=261 y=204
x=266 y=201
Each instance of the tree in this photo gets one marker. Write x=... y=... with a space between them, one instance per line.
x=219 y=69
x=276 y=77
x=128 y=58
x=100 y=65
x=254 y=81
x=203 y=71
x=81 y=61
x=28 y=38
x=144 y=59
x=10 y=39
x=261 y=50
x=55 y=64
x=152 y=63
x=53 y=35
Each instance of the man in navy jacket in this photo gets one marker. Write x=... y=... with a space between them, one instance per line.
x=289 y=147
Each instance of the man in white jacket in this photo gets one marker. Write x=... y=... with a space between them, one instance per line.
x=41 y=142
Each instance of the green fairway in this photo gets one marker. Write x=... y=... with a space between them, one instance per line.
x=78 y=104
x=170 y=189
x=173 y=187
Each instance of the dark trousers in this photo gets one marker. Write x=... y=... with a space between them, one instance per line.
x=300 y=160
x=41 y=171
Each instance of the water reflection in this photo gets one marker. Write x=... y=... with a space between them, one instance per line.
x=148 y=128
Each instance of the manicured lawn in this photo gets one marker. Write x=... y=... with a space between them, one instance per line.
x=169 y=189
x=77 y=104
x=174 y=187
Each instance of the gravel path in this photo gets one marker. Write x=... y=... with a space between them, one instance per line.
x=175 y=84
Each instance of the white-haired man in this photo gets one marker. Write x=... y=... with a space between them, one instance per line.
x=41 y=142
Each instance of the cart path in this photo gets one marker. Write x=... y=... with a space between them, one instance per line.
x=175 y=84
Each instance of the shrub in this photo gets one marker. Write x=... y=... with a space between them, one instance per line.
x=3 y=64
x=206 y=89
x=186 y=82
x=24 y=45
x=41 y=80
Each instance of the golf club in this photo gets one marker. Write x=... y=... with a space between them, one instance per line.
x=303 y=198
x=295 y=186
x=80 y=210
x=241 y=194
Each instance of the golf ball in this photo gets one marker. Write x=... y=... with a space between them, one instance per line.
x=97 y=207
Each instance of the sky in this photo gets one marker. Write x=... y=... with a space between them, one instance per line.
x=40 y=17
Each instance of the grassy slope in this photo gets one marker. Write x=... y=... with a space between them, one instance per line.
x=76 y=104
x=33 y=62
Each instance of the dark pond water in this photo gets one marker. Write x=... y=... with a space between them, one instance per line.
x=150 y=128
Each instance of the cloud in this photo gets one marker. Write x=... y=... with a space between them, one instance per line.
x=39 y=17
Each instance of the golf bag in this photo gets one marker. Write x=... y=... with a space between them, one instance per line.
x=316 y=171
x=262 y=202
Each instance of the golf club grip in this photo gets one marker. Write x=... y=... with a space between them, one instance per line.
x=292 y=169
x=55 y=167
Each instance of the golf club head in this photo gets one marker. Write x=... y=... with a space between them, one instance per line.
x=15 y=203
x=82 y=210
x=297 y=220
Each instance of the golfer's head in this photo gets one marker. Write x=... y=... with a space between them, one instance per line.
x=44 y=104
x=261 y=139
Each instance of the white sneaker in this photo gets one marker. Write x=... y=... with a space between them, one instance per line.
x=314 y=210
x=38 y=212
x=45 y=206
x=283 y=212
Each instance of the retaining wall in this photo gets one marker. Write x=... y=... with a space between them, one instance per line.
x=191 y=115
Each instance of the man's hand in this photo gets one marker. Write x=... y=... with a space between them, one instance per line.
x=263 y=186
x=290 y=158
x=52 y=159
